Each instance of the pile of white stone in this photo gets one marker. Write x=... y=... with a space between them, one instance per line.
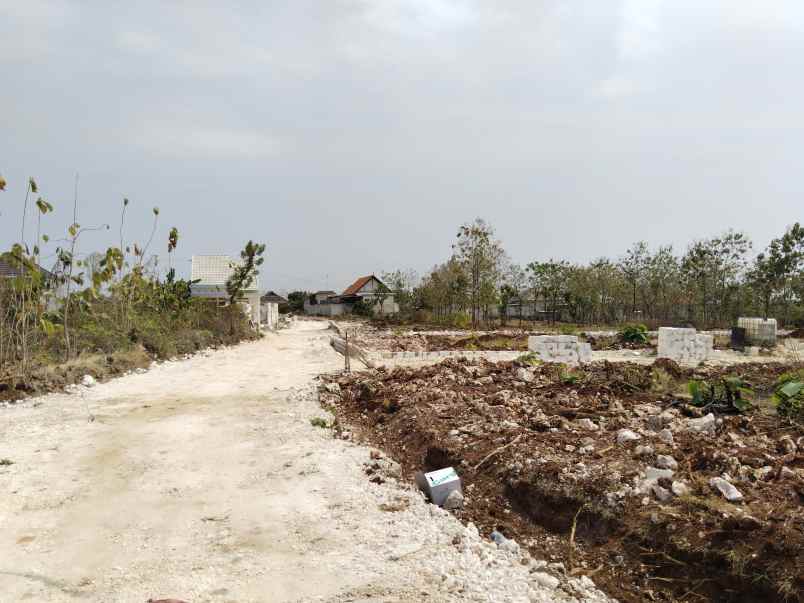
x=560 y=348
x=684 y=345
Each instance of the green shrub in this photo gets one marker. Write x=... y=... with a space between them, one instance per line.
x=728 y=393
x=634 y=334
x=319 y=422
x=530 y=358
x=789 y=394
x=567 y=329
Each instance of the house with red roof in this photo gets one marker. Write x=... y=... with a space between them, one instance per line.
x=367 y=291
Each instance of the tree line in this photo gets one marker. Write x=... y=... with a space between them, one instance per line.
x=710 y=283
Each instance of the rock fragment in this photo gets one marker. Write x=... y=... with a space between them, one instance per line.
x=729 y=492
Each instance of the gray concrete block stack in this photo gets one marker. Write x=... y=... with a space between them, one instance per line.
x=684 y=345
x=759 y=331
x=560 y=348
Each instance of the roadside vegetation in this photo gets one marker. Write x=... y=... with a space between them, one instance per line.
x=106 y=312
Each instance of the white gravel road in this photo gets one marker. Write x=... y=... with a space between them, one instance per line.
x=204 y=480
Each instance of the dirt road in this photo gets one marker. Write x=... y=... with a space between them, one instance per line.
x=204 y=480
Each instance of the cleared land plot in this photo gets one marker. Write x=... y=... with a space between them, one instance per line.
x=557 y=474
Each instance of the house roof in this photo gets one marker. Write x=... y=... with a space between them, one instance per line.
x=355 y=287
x=215 y=270
x=270 y=296
x=11 y=269
x=327 y=292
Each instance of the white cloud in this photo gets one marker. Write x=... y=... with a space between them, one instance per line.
x=617 y=86
x=205 y=142
x=639 y=35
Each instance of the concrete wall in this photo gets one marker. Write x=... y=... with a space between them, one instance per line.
x=684 y=345
x=270 y=314
x=759 y=331
x=324 y=309
x=560 y=348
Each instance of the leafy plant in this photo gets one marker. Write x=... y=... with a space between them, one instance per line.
x=789 y=394
x=727 y=394
x=571 y=377
x=634 y=334
x=530 y=358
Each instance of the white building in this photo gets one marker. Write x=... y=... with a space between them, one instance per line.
x=212 y=272
x=367 y=289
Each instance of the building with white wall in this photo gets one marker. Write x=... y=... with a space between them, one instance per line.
x=212 y=272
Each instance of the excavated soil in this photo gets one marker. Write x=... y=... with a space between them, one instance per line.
x=537 y=450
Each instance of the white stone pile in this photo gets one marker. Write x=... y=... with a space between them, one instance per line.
x=684 y=345
x=560 y=348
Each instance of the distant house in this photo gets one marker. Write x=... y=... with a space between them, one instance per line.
x=212 y=272
x=269 y=308
x=369 y=290
x=11 y=268
x=271 y=297
x=51 y=291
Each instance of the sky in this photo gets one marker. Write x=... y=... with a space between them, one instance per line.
x=356 y=136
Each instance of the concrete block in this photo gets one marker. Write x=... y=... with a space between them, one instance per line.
x=437 y=485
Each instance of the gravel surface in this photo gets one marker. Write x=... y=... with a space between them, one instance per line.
x=204 y=480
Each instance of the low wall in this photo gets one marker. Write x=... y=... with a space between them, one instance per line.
x=566 y=349
x=270 y=315
x=684 y=345
x=491 y=356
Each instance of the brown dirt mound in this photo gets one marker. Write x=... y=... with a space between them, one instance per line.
x=540 y=461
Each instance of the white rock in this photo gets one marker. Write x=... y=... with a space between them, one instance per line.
x=454 y=500
x=705 y=424
x=626 y=435
x=643 y=450
x=662 y=494
x=666 y=436
x=545 y=580
x=664 y=461
x=88 y=381
x=652 y=473
x=728 y=491
x=523 y=374
x=587 y=424
x=333 y=388
x=680 y=488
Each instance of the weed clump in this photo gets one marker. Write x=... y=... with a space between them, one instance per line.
x=789 y=394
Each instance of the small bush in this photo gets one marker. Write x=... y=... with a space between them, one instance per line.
x=530 y=358
x=319 y=422
x=789 y=394
x=661 y=382
x=634 y=334
x=727 y=393
x=567 y=329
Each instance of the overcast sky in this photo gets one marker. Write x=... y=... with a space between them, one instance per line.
x=355 y=136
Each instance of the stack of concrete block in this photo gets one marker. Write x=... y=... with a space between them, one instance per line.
x=684 y=345
x=759 y=331
x=560 y=348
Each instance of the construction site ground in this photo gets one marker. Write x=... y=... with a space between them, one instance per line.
x=540 y=454
x=217 y=478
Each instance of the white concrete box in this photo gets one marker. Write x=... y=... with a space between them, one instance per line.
x=438 y=484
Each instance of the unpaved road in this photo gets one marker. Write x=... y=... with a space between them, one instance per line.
x=204 y=480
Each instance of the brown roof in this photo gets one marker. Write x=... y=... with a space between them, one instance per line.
x=270 y=296
x=10 y=268
x=358 y=285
